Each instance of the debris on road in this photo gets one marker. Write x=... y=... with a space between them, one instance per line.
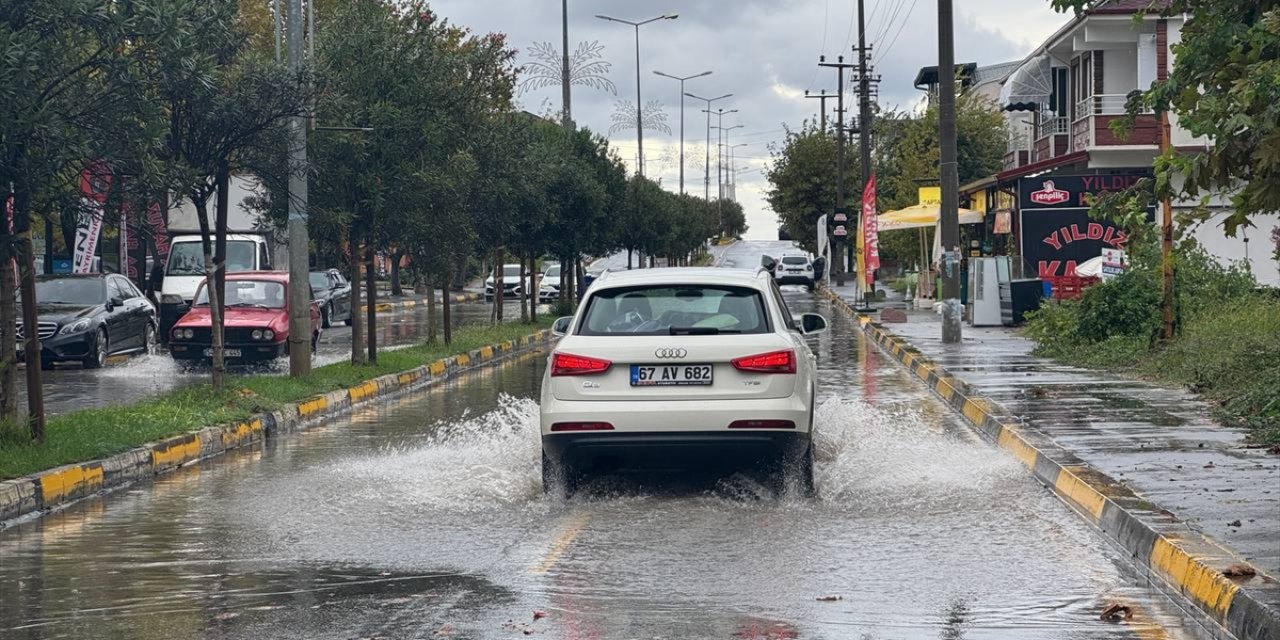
x=1240 y=570
x=538 y=615
x=1116 y=611
x=830 y=598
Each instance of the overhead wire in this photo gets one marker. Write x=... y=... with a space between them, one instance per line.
x=884 y=51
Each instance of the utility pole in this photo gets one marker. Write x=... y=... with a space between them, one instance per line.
x=719 y=143
x=565 y=78
x=706 y=181
x=1168 y=326
x=728 y=155
x=822 y=111
x=864 y=131
x=950 y=215
x=682 y=96
x=840 y=67
x=639 y=104
x=299 y=246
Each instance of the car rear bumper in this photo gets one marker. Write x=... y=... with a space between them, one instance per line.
x=689 y=433
x=698 y=450
x=794 y=279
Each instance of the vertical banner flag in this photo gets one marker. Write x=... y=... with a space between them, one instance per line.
x=94 y=183
x=159 y=232
x=871 y=228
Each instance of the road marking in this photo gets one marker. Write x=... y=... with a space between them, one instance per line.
x=572 y=529
x=1195 y=579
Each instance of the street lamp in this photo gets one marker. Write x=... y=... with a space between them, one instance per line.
x=706 y=184
x=639 y=105
x=719 y=143
x=682 y=118
x=733 y=172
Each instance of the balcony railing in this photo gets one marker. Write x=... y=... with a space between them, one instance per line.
x=1053 y=125
x=1018 y=141
x=1103 y=105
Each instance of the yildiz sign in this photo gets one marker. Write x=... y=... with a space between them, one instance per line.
x=1056 y=230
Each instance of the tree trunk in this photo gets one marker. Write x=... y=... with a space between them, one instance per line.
x=371 y=311
x=564 y=278
x=396 y=289
x=580 y=276
x=628 y=259
x=218 y=304
x=499 y=286
x=535 y=283
x=431 y=307
x=30 y=317
x=8 y=328
x=357 y=322
x=524 y=290
x=448 y=307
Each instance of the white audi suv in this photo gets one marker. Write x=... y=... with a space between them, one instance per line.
x=680 y=369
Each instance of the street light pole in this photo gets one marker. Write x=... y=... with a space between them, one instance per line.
x=733 y=183
x=724 y=191
x=639 y=104
x=682 y=95
x=299 y=291
x=719 y=164
x=706 y=181
x=565 y=78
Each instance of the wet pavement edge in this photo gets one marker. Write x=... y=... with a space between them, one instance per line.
x=35 y=495
x=1183 y=563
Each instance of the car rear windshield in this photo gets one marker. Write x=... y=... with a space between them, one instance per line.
x=795 y=260
x=675 y=310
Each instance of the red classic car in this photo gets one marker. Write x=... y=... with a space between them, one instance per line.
x=256 y=323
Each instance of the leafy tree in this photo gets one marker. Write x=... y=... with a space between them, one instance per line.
x=802 y=181
x=1223 y=87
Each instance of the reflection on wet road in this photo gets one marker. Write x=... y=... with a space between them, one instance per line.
x=423 y=517
x=68 y=387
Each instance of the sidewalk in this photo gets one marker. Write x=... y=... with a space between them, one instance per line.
x=1161 y=444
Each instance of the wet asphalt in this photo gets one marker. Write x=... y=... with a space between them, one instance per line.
x=423 y=517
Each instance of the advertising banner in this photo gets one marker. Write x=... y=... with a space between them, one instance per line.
x=1057 y=232
x=95 y=181
x=870 y=228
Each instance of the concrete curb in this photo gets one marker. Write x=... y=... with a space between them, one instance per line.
x=383 y=307
x=1182 y=562
x=42 y=492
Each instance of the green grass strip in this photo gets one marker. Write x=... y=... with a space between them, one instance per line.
x=89 y=434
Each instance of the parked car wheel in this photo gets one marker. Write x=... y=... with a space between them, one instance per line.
x=350 y=319
x=98 y=354
x=149 y=343
x=557 y=480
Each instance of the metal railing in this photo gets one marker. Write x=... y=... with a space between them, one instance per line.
x=1103 y=105
x=1053 y=125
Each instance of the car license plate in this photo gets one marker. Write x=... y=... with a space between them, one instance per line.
x=226 y=353
x=670 y=375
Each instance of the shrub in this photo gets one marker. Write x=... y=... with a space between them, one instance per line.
x=1127 y=305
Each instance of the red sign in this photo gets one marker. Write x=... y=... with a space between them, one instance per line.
x=871 y=228
x=1050 y=195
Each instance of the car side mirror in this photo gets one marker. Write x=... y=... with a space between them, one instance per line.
x=812 y=323
x=561 y=326
x=114 y=301
x=768 y=262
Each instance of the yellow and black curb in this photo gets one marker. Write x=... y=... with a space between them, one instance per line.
x=48 y=490
x=1181 y=561
x=384 y=307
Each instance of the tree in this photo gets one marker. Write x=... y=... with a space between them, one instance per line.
x=1224 y=88
x=802 y=181
x=72 y=74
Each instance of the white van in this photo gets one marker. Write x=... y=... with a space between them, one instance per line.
x=185 y=269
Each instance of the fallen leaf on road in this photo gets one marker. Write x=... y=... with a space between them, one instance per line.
x=538 y=615
x=446 y=630
x=830 y=598
x=1233 y=523
x=1239 y=570
x=1116 y=611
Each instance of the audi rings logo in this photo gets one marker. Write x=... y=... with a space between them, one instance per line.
x=670 y=353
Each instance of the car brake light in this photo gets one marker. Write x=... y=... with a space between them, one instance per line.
x=582 y=426
x=762 y=424
x=774 y=362
x=566 y=364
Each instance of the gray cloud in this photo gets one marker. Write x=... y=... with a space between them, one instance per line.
x=763 y=51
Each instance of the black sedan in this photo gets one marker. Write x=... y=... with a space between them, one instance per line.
x=332 y=293
x=86 y=318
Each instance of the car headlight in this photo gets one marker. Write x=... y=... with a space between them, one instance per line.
x=79 y=326
x=268 y=334
x=171 y=298
x=256 y=334
x=183 y=334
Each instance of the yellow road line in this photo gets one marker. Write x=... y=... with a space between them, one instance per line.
x=572 y=529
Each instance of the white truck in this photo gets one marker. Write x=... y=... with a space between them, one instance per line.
x=250 y=247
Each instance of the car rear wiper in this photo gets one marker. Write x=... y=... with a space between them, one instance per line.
x=258 y=305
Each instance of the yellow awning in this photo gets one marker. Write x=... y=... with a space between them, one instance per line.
x=922 y=215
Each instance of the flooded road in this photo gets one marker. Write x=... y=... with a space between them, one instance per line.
x=424 y=518
x=128 y=379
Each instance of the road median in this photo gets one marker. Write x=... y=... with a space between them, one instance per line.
x=1232 y=598
x=98 y=449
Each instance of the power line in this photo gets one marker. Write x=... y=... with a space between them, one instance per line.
x=884 y=51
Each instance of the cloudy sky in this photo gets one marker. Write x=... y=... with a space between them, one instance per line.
x=765 y=52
